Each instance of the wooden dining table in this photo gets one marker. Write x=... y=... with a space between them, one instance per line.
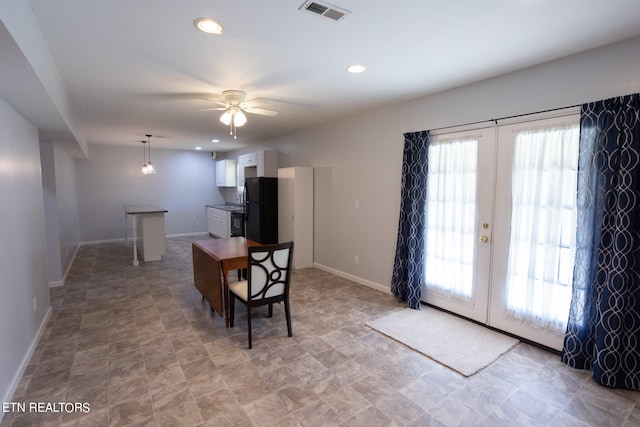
x=213 y=260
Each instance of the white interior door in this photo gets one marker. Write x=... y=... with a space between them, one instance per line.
x=500 y=232
x=459 y=217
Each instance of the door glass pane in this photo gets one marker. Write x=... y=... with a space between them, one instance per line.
x=543 y=223
x=451 y=214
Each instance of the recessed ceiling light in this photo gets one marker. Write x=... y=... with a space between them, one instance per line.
x=215 y=140
x=208 y=25
x=198 y=148
x=356 y=68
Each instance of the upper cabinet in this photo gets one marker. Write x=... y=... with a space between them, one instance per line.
x=267 y=163
x=249 y=160
x=260 y=163
x=226 y=173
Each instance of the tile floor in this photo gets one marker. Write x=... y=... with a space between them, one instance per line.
x=138 y=345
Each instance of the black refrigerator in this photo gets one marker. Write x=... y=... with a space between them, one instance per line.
x=261 y=209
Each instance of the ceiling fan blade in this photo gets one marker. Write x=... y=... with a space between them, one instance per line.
x=255 y=102
x=214 y=100
x=214 y=109
x=260 y=111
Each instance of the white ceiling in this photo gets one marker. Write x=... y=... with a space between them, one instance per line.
x=137 y=67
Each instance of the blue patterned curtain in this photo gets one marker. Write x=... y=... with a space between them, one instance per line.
x=409 y=260
x=603 y=332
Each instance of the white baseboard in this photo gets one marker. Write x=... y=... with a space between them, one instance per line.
x=356 y=279
x=200 y=233
x=121 y=240
x=73 y=258
x=99 y=242
x=60 y=283
x=15 y=382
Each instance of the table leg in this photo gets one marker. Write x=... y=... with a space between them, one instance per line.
x=135 y=238
x=225 y=295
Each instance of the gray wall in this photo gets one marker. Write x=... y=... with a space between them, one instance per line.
x=50 y=206
x=360 y=157
x=111 y=178
x=36 y=90
x=23 y=273
x=67 y=205
x=60 y=210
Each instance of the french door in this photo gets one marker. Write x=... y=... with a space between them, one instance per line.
x=500 y=232
x=459 y=211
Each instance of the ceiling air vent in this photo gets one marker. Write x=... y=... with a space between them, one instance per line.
x=325 y=9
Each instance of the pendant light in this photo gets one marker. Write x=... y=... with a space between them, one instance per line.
x=147 y=167
x=150 y=168
x=145 y=170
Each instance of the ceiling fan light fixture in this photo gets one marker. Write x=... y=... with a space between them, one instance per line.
x=239 y=118
x=208 y=25
x=233 y=117
x=226 y=117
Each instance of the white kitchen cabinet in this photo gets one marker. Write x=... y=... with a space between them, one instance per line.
x=267 y=163
x=226 y=171
x=250 y=159
x=260 y=163
x=243 y=161
x=295 y=212
x=211 y=221
x=218 y=222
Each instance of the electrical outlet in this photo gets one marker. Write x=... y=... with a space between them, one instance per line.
x=357 y=206
x=356 y=260
x=35 y=303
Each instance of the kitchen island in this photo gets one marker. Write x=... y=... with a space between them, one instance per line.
x=148 y=231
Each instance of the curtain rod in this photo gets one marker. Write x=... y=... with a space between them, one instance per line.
x=495 y=121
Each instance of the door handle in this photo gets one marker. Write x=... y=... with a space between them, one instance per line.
x=484 y=239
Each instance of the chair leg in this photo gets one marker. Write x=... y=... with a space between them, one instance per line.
x=287 y=313
x=249 y=324
x=232 y=308
x=270 y=310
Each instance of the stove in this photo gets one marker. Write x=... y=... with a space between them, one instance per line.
x=237 y=223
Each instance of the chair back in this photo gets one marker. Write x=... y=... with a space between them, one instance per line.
x=269 y=270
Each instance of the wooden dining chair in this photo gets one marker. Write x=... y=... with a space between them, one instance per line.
x=268 y=277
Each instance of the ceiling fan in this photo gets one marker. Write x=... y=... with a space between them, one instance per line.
x=234 y=107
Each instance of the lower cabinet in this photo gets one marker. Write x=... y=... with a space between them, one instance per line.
x=218 y=222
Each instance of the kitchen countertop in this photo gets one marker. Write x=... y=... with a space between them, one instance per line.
x=142 y=209
x=228 y=208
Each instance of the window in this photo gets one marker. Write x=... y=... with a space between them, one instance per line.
x=543 y=225
x=451 y=216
